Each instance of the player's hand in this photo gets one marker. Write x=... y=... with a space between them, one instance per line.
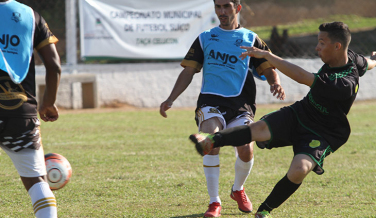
x=373 y=56
x=48 y=113
x=253 y=52
x=278 y=91
x=164 y=107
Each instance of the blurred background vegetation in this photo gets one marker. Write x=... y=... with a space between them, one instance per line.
x=289 y=27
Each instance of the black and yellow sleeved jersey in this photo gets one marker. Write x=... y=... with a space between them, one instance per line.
x=19 y=100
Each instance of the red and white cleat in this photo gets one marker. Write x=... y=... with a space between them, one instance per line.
x=244 y=204
x=214 y=210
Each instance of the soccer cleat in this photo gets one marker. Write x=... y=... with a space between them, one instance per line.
x=214 y=210
x=244 y=204
x=263 y=214
x=204 y=142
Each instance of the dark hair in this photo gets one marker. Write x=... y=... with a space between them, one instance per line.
x=337 y=32
x=236 y=2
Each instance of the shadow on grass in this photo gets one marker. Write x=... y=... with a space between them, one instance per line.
x=192 y=215
x=223 y=214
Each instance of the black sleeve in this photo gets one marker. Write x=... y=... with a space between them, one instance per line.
x=43 y=34
x=360 y=61
x=260 y=64
x=259 y=43
x=195 y=56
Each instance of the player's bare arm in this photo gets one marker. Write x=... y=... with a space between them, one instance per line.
x=183 y=81
x=47 y=109
x=372 y=61
x=275 y=83
x=291 y=70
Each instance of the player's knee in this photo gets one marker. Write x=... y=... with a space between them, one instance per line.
x=211 y=125
x=260 y=131
x=246 y=152
x=298 y=173
x=301 y=170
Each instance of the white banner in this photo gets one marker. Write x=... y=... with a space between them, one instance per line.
x=142 y=29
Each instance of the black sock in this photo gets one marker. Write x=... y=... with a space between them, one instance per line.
x=281 y=192
x=236 y=136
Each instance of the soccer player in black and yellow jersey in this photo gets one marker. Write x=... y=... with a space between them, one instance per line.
x=23 y=30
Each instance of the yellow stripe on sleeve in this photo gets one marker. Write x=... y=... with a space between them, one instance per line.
x=49 y=40
x=190 y=63
x=262 y=67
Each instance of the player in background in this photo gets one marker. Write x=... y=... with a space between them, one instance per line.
x=25 y=30
x=228 y=93
x=315 y=126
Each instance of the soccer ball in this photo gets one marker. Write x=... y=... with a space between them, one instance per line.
x=59 y=170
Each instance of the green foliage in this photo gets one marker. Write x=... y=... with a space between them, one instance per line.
x=138 y=164
x=311 y=26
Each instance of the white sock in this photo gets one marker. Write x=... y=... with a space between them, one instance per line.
x=236 y=152
x=242 y=170
x=43 y=200
x=211 y=169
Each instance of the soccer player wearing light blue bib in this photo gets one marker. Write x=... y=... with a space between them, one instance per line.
x=21 y=31
x=228 y=94
x=224 y=73
x=16 y=39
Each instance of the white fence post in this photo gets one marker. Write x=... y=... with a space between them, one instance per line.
x=71 y=31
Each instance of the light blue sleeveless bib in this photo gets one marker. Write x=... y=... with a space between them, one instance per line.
x=16 y=39
x=224 y=73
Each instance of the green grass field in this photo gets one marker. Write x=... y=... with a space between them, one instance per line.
x=138 y=164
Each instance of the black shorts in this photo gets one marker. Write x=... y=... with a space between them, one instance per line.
x=20 y=133
x=287 y=130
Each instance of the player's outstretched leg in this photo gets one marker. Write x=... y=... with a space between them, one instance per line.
x=236 y=136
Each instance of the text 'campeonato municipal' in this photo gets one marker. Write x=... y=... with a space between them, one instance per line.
x=156 y=14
